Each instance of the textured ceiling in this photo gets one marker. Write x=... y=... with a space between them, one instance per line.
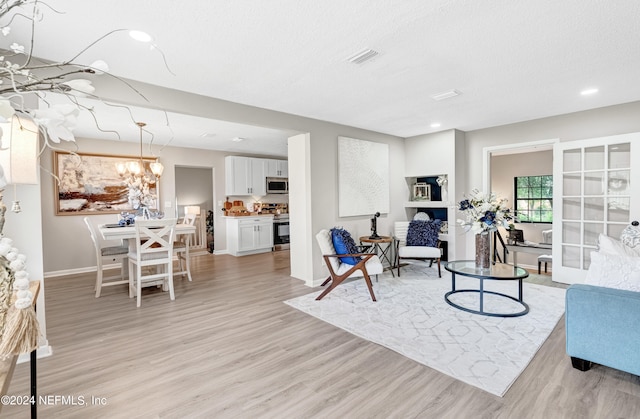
x=512 y=60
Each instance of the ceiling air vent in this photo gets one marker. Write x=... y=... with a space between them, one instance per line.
x=445 y=95
x=362 y=56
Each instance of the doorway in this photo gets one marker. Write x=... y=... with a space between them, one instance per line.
x=502 y=165
x=194 y=194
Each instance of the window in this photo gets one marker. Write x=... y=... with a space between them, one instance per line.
x=534 y=199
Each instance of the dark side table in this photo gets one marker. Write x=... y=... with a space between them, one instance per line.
x=384 y=253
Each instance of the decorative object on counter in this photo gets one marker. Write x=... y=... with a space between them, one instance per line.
x=421 y=191
x=442 y=181
x=484 y=213
x=374 y=226
x=226 y=206
x=237 y=209
x=275 y=208
x=127 y=219
x=138 y=181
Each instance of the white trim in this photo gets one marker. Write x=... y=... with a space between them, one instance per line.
x=43 y=351
x=515 y=148
x=65 y=272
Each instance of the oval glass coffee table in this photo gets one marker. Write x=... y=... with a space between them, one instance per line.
x=497 y=272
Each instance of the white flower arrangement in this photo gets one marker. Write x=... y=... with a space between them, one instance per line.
x=484 y=212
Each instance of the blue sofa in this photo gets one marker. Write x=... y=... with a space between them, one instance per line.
x=603 y=327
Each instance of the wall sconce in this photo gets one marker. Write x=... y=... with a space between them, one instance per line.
x=19 y=154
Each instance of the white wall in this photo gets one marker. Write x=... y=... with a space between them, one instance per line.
x=612 y=120
x=25 y=229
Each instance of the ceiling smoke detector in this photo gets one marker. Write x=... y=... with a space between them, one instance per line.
x=362 y=56
x=445 y=95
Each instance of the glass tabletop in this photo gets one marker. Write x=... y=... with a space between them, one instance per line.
x=495 y=271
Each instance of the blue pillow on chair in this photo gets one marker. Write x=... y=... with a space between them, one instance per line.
x=344 y=244
x=423 y=233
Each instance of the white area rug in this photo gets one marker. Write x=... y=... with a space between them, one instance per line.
x=412 y=318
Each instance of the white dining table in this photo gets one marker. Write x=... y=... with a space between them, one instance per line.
x=128 y=233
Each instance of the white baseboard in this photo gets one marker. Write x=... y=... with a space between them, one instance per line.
x=64 y=272
x=42 y=352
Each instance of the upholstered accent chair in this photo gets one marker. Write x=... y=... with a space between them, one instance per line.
x=404 y=251
x=368 y=264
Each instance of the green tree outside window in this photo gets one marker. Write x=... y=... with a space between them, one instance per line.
x=534 y=198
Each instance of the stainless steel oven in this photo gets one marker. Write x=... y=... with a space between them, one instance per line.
x=281 y=231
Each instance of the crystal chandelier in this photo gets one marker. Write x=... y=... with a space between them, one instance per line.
x=135 y=178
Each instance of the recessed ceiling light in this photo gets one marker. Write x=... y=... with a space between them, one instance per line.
x=140 y=36
x=589 y=91
x=237 y=139
x=435 y=125
x=445 y=95
x=208 y=135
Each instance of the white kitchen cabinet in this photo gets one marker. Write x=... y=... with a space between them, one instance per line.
x=249 y=235
x=245 y=176
x=277 y=168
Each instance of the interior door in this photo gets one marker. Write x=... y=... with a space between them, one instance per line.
x=594 y=193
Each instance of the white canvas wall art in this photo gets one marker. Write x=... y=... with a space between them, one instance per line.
x=363 y=177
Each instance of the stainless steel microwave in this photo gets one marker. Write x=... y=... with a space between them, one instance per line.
x=277 y=185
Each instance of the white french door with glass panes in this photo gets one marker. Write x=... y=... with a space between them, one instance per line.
x=596 y=191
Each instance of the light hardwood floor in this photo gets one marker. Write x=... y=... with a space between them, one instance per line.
x=228 y=347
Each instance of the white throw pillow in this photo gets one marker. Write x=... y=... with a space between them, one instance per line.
x=421 y=216
x=614 y=271
x=612 y=246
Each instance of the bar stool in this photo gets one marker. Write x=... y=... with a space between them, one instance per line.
x=543 y=259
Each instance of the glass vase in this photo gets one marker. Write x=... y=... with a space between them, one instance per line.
x=483 y=250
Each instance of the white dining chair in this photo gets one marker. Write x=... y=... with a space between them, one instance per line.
x=153 y=248
x=107 y=252
x=181 y=248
